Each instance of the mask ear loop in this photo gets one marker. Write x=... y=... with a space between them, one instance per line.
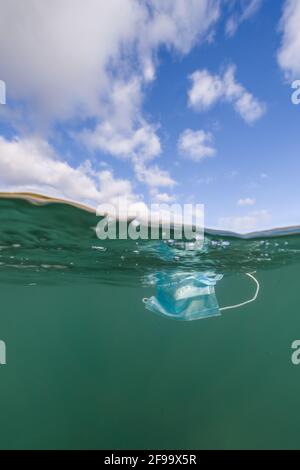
x=247 y=301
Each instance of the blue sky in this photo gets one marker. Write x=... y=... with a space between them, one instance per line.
x=169 y=101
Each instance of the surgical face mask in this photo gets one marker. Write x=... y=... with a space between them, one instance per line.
x=186 y=296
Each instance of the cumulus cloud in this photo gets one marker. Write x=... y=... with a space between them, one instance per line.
x=289 y=52
x=78 y=62
x=247 y=201
x=180 y=24
x=158 y=197
x=71 y=60
x=32 y=165
x=142 y=142
x=61 y=56
x=208 y=89
x=153 y=176
x=123 y=132
x=196 y=145
x=256 y=220
x=56 y=54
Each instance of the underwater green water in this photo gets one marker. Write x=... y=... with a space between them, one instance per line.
x=88 y=367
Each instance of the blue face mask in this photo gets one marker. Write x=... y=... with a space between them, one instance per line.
x=185 y=296
x=190 y=296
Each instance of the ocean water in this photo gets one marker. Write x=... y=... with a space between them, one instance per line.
x=89 y=367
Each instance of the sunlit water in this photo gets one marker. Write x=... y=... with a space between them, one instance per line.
x=88 y=366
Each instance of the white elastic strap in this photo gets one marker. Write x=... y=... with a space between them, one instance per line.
x=247 y=301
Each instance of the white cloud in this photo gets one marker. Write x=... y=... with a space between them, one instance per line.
x=61 y=56
x=123 y=132
x=32 y=165
x=180 y=24
x=110 y=188
x=56 y=54
x=153 y=176
x=121 y=129
x=161 y=197
x=208 y=89
x=245 y=11
x=142 y=142
x=247 y=201
x=72 y=60
x=256 y=220
x=289 y=52
x=196 y=145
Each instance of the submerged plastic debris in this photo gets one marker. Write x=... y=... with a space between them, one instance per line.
x=185 y=296
x=190 y=296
